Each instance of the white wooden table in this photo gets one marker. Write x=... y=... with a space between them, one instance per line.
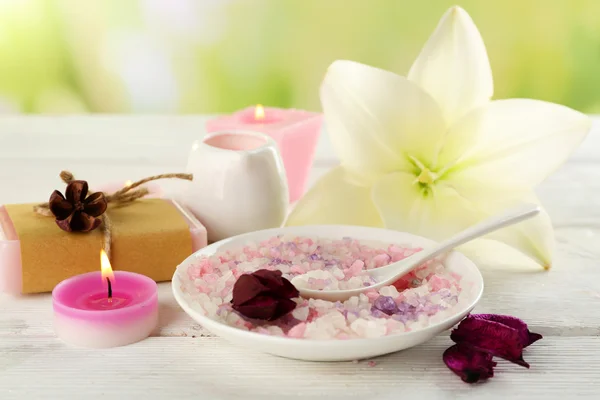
x=183 y=361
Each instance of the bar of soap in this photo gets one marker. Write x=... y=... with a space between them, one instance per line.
x=150 y=237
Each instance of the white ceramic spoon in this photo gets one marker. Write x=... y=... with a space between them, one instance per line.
x=390 y=273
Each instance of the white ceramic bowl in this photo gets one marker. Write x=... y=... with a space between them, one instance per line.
x=333 y=350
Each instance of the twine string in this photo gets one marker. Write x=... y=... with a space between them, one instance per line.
x=122 y=196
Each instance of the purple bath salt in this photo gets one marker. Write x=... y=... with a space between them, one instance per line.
x=385 y=304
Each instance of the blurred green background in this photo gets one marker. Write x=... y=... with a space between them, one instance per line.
x=210 y=56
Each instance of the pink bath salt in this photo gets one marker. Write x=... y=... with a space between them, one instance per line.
x=391 y=325
x=296 y=269
x=438 y=283
x=275 y=253
x=381 y=259
x=291 y=254
x=236 y=273
x=312 y=314
x=210 y=278
x=371 y=364
x=297 y=331
x=193 y=271
x=371 y=294
x=204 y=289
x=225 y=292
x=455 y=276
x=357 y=267
x=262 y=330
x=342 y=336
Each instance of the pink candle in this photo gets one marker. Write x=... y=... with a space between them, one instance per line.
x=296 y=133
x=105 y=309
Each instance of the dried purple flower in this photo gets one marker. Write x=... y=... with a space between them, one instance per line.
x=525 y=335
x=385 y=304
x=480 y=337
x=263 y=295
x=486 y=333
x=470 y=364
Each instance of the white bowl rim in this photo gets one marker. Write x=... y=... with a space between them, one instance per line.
x=213 y=247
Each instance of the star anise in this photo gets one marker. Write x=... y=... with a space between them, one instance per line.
x=76 y=213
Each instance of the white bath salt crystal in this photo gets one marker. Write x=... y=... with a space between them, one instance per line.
x=232 y=319
x=217 y=301
x=435 y=299
x=301 y=313
x=210 y=308
x=203 y=298
x=336 y=319
x=317 y=332
x=275 y=330
x=228 y=298
x=367 y=329
x=354 y=283
x=337 y=273
x=352 y=302
x=285 y=269
x=362 y=298
x=390 y=291
x=352 y=316
x=421 y=290
x=365 y=313
x=226 y=276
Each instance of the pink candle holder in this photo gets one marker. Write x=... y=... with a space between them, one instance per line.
x=87 y=315
x=295 y=132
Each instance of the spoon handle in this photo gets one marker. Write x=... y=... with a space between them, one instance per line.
x=492 y=224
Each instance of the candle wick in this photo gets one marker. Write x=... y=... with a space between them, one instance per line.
x=109 y=289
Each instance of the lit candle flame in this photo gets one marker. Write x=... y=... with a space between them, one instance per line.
x=259 y=112
x=107 y=272
x=128 y=183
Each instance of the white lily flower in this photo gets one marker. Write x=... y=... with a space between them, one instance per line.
x=431 y=154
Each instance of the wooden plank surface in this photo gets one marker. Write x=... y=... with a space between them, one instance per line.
x=181 y=360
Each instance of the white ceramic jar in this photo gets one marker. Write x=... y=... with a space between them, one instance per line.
x=239 y=183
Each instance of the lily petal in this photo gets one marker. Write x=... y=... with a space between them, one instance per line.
x=376 y=119
x=453 y=66
x=336 y=198
x=534 y=237
x=405 y=205
x=451 y=206
x=520 y=141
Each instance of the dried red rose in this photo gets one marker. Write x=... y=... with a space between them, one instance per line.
x=263 y=294
x=479 y=337
x=471 y=365
x=500 y=335
x=527 y=337
x=76 y=213
x=492 y=337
